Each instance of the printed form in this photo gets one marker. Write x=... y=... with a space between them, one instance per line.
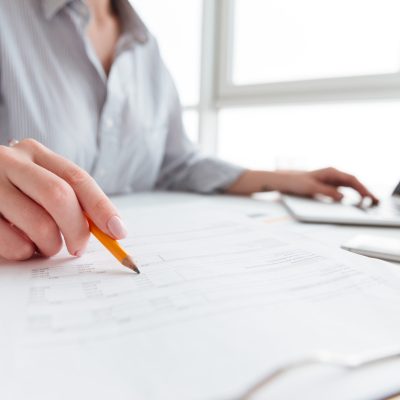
x=221 y=301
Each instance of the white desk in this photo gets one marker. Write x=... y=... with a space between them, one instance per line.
x=163 y=340
x=264 y=207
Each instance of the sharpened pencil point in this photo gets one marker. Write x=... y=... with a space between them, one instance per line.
x=128 y=262
x=136 y=269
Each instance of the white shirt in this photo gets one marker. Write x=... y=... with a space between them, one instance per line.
x=125 y=129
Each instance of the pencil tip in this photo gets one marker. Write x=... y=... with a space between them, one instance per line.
x=128 y=262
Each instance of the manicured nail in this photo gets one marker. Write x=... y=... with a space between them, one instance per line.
x=117 y=227
x=79 y=253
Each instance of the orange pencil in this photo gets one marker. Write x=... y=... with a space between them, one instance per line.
x=112 y=246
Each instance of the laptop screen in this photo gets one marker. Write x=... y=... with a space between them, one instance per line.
x=396 y=191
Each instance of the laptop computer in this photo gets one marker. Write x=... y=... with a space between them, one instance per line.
x=387 y=213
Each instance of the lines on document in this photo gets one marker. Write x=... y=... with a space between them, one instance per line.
x=218 y=230
x=135 y=311
x=212 y=269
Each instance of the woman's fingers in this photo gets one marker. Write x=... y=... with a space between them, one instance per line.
x=57 y=198
x=326 y=190
x=92 y=199
x=338 y=178
x=31 y=219
x=352 y=182
x=14 y=246
x=44 y=195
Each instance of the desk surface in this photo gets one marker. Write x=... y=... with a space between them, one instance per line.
x=263 y=207
x=158 y=346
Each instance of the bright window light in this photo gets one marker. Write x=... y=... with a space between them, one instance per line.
x=284 y=40
x=177 y=27
x=362 y=138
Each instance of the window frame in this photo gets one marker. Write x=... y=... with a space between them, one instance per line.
x=379 y=86
x=217 y=90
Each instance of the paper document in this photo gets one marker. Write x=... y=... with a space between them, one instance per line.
x=221 y=301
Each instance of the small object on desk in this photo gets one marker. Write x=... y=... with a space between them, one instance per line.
x=385 y=248
x=112 y=246
x=334 y=360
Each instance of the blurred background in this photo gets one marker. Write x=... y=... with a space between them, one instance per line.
x=297 y=84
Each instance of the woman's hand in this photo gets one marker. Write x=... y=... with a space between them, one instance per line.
x=43 y=197
x=325 y=182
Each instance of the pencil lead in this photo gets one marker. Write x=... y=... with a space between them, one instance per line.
x=128 y=262
x=136 y=269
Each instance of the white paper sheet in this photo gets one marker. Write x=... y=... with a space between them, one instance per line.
x=221 y=300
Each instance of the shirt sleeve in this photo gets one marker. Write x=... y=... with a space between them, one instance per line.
x=184 y=167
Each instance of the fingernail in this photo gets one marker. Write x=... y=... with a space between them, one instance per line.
x=79 y=253
x=117 y=227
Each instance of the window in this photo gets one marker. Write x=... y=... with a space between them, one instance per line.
x=310 y=83
x=287 y=83
x=359 y=137
x=177 y=26
x=288 y=40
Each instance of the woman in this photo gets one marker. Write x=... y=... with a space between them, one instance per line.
x=83 y=88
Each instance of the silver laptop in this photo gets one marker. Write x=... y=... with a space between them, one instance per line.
x=387 y=213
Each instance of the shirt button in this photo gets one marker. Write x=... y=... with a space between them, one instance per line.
x=141 y=37
x=109 y=123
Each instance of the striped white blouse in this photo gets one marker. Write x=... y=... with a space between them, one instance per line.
x=125 y=129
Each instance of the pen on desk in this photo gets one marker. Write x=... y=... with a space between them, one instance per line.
x=112 y=246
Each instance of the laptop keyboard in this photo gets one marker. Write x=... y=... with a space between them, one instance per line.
x=386 y=208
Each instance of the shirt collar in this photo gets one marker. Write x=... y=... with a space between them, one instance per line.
x=131 y=22
x=52 y=7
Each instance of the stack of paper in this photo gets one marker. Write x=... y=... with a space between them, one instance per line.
x=221 y=301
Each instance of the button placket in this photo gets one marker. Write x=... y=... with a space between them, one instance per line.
x=109 y=127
